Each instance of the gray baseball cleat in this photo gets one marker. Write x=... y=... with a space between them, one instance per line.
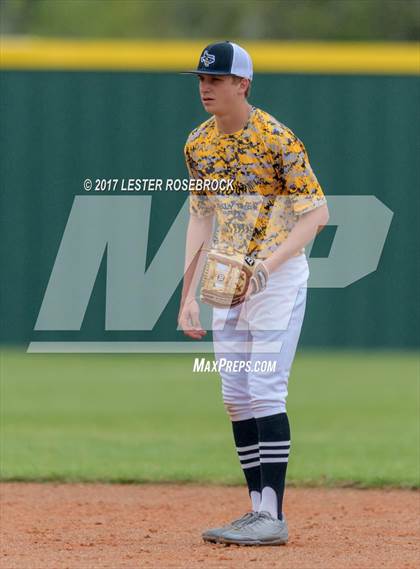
x=213 y=535
x=263 y=529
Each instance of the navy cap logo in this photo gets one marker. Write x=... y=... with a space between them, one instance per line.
x=207 y=58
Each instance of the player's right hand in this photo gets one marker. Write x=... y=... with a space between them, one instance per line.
x=189 y=319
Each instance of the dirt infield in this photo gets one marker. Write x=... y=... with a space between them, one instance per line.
x=98 y=526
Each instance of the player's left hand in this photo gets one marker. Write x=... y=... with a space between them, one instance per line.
x=259 y=279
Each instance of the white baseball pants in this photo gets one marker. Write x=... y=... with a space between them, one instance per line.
x=263 y=333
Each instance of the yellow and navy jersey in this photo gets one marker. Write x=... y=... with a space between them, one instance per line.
x=271 y=182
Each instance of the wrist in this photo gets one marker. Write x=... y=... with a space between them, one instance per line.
x=188 y=298
x=268 y=263
x=275 y=260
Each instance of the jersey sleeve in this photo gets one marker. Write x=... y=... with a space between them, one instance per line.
x=200 y=203
x=300 y=182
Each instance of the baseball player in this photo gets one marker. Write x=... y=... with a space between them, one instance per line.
x=272 y=207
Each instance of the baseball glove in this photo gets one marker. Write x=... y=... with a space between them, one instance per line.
x=228 y=277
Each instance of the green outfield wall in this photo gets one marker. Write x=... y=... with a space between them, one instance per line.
x=58 y=127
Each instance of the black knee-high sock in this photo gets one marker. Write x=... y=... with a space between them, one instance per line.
x=245 y=434
x=274 y=440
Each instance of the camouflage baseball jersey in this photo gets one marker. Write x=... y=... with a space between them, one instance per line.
x=270 y=182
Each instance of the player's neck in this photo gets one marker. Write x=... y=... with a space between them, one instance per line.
x=235 y=119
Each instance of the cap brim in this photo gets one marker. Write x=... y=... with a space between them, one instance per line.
x=196 y=72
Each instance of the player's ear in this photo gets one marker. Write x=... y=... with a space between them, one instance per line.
x=241 y=83
x=246 y=85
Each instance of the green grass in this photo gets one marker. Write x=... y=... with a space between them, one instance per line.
x=354 y=419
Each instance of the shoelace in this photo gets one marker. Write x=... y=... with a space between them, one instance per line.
x=261 y=517
x=265 y=515
x=244 y=519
